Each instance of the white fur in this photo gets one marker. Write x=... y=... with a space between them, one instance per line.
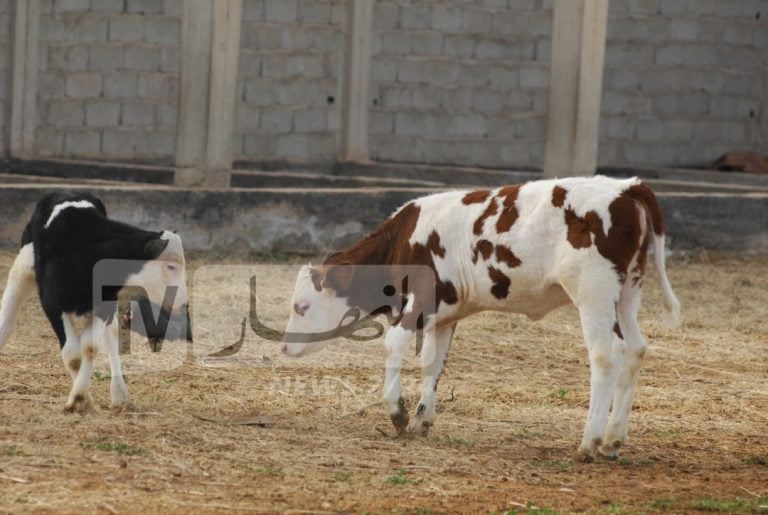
x=58 y=208
x=21 y=284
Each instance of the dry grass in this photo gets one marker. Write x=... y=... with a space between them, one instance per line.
x=511 y=408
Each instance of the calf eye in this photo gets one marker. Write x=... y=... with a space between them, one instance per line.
x=171 y=267
x=300 y=308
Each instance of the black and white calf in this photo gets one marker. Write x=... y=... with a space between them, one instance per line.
x=69 y=233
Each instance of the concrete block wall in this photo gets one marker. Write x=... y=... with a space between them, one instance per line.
x=108 y=79
x=6 y=53
x=460 y=81
x=289 y=84
x=685 y=81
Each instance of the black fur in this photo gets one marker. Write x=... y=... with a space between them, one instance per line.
x=67 y=250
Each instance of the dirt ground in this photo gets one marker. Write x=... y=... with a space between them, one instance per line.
x=511 y=407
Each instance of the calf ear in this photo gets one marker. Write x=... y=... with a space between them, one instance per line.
x=339 y=277
x=154 y=248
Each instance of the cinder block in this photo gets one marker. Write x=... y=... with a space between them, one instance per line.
x=142 y=57
x=50 y=86
x=458 y=45
x=86 y=143
x=106 y=57
x=253 y=10
x=490 y=48
x=158 y=86
x=66 y=113
x=489 y=102
x=294 y=38
x=530 y=128
x=137 y=114
x=72 y=6
x=735 y=132
x=446 y=17
x=107 y=6
x=166 y=114
x=426 y=98
x=102 y=113
x=127 y=28
x=629 y=54
x=644 y=6
x=734 y=107
x=285 y=66
x=392 y=42
x=432 y=72
x=685 y=29
x=170 y=59
x=617 y=128
x=120 y=85
x=386 y=15
x=88 y=29
x=293 y=146
x=144 y=6
x=281 y=10
x=162 y=29
x=69 y=57
x=327 y=39
x=520 y=102
x=322 y=146
x=49 y=142
x=173 y=8
x=502 y=77
x=260 y=145
x=477 y=22
x=117 y=143
x=427 y=43
x=707 y=130
x=317 y=11
x=310 y=120
x=534 y=77
x=383 y=70
x=381 y=123
x=156 y=144
x=246 y=116
x=84 y=85
x=650 y=131
x=414 y=16
x=678 y=130
x=276 y=121
x=673 y=7
x=683 y=103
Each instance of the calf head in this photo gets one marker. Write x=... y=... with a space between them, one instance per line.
x=163 y=276
x=318 y=307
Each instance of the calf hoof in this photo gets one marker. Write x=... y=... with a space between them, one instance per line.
x=400 y=417
x=420 y=427
x=610 y=452
x=124 y=407
x=586 y=453
x=81 y=404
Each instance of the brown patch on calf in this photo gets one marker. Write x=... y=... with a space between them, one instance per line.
x=623 y=241
x=505 y=255
x=501 y=283
x=74 y=365
x=558 y=196
x=433 y=245
x=491 y=210
x=617 y=330
x=389 y=245
x=484 y=248
x=509 y=213
x=645 y=196
x=475 y=197
x=89 y=353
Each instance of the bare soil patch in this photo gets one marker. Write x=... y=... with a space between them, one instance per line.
x=511 y=406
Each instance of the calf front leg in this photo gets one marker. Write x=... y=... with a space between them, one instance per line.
x=437 y=342
x=118 y=388
x=396 y=342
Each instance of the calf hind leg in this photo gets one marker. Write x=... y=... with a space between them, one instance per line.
x=634 y=353
x=20 y=285
x=604 y=363
x=80 y=399
x=396 y=341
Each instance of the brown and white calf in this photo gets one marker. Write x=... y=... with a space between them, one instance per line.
x=525 y=249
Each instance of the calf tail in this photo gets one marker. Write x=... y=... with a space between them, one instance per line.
x=671 y=314
x=21 y=284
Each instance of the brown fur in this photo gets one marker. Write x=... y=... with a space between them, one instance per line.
x=475 y=197
x=491 y=210
x=501 y=283
x=644 y=194
x=74 y=365
x=484 y=248
x=558 y=196
x=509 y=213
x=505 y=255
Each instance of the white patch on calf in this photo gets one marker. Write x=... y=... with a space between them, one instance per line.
x=58 y=208
x=21 y=284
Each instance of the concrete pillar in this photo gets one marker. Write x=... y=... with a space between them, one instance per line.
x=26 y=22
x=208 y=89
x=575 y=87
x=353 y=145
